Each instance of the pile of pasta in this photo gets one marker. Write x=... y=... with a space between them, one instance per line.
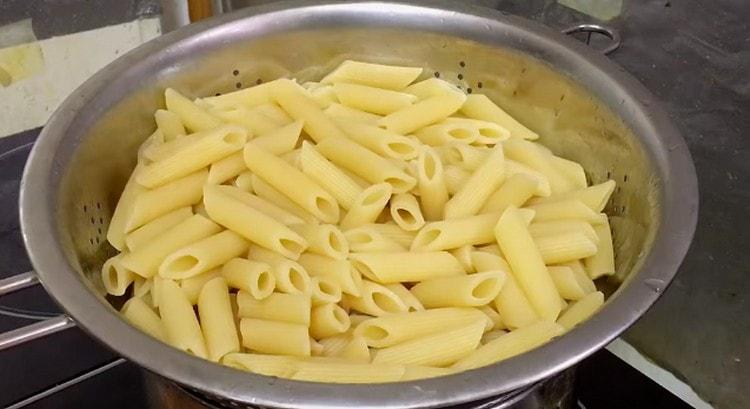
x=370 y=227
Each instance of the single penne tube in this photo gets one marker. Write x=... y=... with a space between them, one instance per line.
x=564 y=209
x=439 y=349
x=573 y=171
x=342 y=271
x=528 y=153
x=563 y=226
x=543 y=188
x=595 y=196
x=192 y=286
x=253 y=277
x=115 y=276
x=492 y=335
x=466 y=156
x=527 y=265
x=338 y=111
x=582 y=277
x=332 y=346
x=280 y=140
x=244 y=181
x=393 y=329
x=328 y=176
x=141 y=316
x=247 y=97
x=405 y=211
x=290 y=276
x=150 y=230
x=515 y=191
x=431 y=87
x=322 y=94
x=493 y=316
x=566 y=246
x=217 y=320
x=293 y=99
x=489 y=133
x=156 y=152
x=433 y=191
x=463 y=255
x=481 y=184
x=417 y=372
x=392 y=232
x=455 y=178
x=324 y=289
x=372 y=99
x=261 y=205
x=603 y=262
x=153 y=203
x=581 y=310
x=271 y=195
x=388 y=268
x=227 y=168
x=292 y=183
x=193 y=117
x=425 y=112
x=445 y=132
x=169 y=124
x=568 y=283
x=142 y=286
x=213 y=145
x=347 y=372
x=471 y=290
x=203 y=255
x=328 y=320
x=355 y=350
x=454 y=233
x=374 y=75
x=357 y=319
x=366 y=163
x=375 y=300
x=273 y=337
x=291 y=308
x=379 y=140
x=365 y=239
x=478 y=106
x=146 y=260
x=152 y=142
x=118 y=224
x=252 y=224
x=492 y=249
x=256 y=120
x=367 y=206
x=324 y=239
x=269 y=365
x=511 y=344
x=411 y=302
x=180 y=323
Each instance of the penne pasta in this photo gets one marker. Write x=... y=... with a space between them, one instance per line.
x=325 y=289
x=603 y=262
x=572 y=171
x=528 y=153
x=193 y=117
x=439 y=349
x=431 y=183
x=388 y=268
x=169 y=124
x=272 y=337
x=478 y=106
x=379 y=140
x=269 y=365
x=248 y=97
x=217 y=320
x=115 y=276
x=324 y=239
x=570 y=285
x=564 y=247
x=372 y=99
x=365 y=239
x=141 y=316
x=291 y=308
x=405 y=212
x=180 y=323
x=355 y=350
x=328 y=320
x=271 y=195
x=455 y=178
x=338 y=111
x=595 y=197
x=374 y=75
x=411 y=302
x=431 y=87
x=493 y=316
x=261 y=205
x=328 y=176
x=454 y=233
x=471 y=290
x=581 y=310
x=375 y=300
x=301 y=107
x=543 y=188
x=463 y=255
x=192 y=286
x=564 y=209
x=425 y=112
x=515 y=191
x=393 y=232
x=341 y=271
x=367 y=206
x=290 y=276
x=477 y=189
x=252 y=224
x=203 y=255
x=150 y=230
x=466 y=156
x=563 y=226
x=251 y=276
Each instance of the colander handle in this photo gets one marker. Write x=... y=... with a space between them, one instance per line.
x=37 y=330
x=589 y=28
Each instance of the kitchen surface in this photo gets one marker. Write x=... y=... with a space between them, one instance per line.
x=689 y=350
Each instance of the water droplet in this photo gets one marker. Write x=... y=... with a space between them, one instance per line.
x=655 y=284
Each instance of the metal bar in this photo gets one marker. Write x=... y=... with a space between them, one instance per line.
x=34 y=331
x=18 y=282
x=70 y=382
x=175 y=14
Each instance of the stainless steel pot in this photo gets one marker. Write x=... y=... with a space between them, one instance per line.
x=586 y=108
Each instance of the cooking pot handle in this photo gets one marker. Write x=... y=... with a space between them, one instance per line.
x=607 y=31
x=30 y=332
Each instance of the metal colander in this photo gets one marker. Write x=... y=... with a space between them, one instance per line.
x=585 y=108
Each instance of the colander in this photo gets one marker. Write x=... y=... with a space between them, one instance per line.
x=586 y=109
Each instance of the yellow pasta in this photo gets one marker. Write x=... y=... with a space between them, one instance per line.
x=463 y=255
x=271 y=195
x=570 y=170
x=291 y=182
x=338 y=111
x=393 y=232
x=261 y=205
x=405 y=212
x=393 y=329
x=543 y=188
x=355 y=350
x=290 y=276
x=328 y=320
x=480 y=107
x=365 y=239
x=371 y=99
x=269 y=365
x=563 y=247
x=570 y=285
x=460 y=291
x=454 y=233
x=192 y=116
x=248 y=97
x=481 y=184
x=366 y=163
x=291 y=308
x=251 y=276
x=180 y=323
x=527 y=266
x=455 y=178
x=150 y=230
x=595 y=197
x=341 y=271
x=367 y=206
x=115 y=276
x=564 y=209
x=493 y=316
x=324 y=239
x=138 y=313
x=169 y=124
x=511 y=344
x=440 y=349
x=375 y=300
x=252 y=224
x=528 y=153
x=425 y=112
x=563 y=226
x=581 y=310
x=374 y=75
x=301 y=107
x=203 y=255
x=433 y=191
x=324 y=289
x=328 y=176
x=603 y=262
x=515 y=191
x=411 y=302
x=271 y=337
x=217 y=320
x=379 y=140
x=431 y=87
x=387 y=268
x=192 y=286
x=347 y=372
x=463 y=155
